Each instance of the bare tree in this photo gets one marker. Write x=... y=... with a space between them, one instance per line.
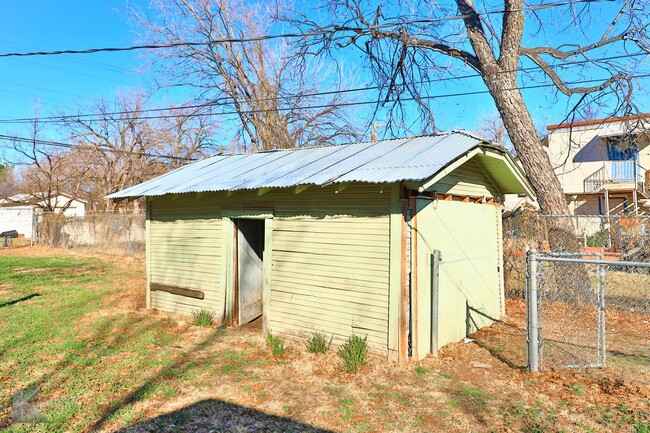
x=491 y=127
x=122 y=146
x=274 y=103
x=409 y=45
x=44 y=174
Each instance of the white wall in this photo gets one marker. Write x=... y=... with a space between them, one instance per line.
x=19 y=218
x=564 y=143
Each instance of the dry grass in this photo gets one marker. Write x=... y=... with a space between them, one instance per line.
x=141 y=370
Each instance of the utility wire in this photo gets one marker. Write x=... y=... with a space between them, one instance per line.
x=88 y=148
x=73 y=146
x=229 y=100
x=328 y=30
x=357 y=103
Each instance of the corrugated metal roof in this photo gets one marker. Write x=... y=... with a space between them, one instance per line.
x=386 y=161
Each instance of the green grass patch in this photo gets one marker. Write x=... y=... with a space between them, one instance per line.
x=318 y=343
x=276 y=344
x=56 y=338
x=353 y=354
x=203 y=317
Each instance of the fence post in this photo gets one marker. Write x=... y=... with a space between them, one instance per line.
x=533 y=327
x=601 y=311
x=435 y=290
x=128 y=239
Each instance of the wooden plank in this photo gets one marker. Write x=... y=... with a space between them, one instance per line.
x=295 y=322
x=293 y=289
x=268 y=273
x=181 y=291
x=404 y=289
x=343 y=283
x=321 y=287
x=314 y=313
x=147 y=253
x=395 y=274
x=361 y=279
x=358 y=307
x=292 y=258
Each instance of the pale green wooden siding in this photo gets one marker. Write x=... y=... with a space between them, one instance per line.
x=330 y=268
x=185 y=240
x=468 y=180
x=330 y=257
x=467 y=234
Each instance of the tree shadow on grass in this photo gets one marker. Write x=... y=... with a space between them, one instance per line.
x=219 y=416
x=16 y=301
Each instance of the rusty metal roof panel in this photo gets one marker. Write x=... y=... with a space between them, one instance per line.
x=385 y=161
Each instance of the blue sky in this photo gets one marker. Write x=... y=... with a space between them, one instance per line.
x=51 y=84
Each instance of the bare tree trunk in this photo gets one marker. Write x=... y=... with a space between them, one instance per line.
x=530 y=151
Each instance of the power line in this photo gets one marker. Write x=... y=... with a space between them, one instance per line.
x=88 y=148
x=224 y=101
x=359 y=103
x=328 y=30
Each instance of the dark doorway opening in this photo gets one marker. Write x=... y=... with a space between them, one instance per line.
x=250 y=270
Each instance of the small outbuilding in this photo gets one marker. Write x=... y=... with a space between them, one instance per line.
x=397 y=240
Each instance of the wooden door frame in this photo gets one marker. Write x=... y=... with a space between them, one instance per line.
x=229 y=259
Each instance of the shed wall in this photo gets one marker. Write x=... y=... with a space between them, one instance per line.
x=330 y=264
x=330 y=257
x=468 y=236
x=185 y=239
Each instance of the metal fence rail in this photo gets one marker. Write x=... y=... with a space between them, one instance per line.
x=581 y=308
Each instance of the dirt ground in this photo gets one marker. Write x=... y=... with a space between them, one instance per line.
x=227 y=380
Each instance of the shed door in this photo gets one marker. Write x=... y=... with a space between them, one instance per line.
x=250 y=269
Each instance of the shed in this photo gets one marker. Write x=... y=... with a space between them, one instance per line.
x=337 y=239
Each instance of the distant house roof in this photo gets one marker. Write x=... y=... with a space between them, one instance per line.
x=39 y=199
x=599 y=122
x=415 y=159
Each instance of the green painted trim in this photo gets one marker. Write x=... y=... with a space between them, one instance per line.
x=248 y=213
x=268 y=266
x=395 y=271
x=516 y=171
x=148 y=250
x=499 y=154
x=301 y=188
x=262 y=191
x=427 y=184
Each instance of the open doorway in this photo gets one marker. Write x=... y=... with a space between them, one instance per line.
x=250 y=270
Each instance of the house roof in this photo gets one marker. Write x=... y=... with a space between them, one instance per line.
x=598 y=122
x=415 y=159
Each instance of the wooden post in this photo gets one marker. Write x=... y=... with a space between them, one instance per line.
x=404 y=289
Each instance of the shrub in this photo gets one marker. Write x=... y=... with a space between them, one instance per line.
x=276 y=344
x=318 y=343
x=353 y=354
x=203 y=317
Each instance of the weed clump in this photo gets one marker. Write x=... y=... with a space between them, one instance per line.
x=203 y=317
x=318 y=343
x=278 y=348
x=353 y=354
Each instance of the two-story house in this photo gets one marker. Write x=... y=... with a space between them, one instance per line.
x=603 y=164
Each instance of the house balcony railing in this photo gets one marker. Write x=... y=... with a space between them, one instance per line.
x=613 y=172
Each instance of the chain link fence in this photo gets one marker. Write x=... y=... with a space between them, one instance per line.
x=585 y=308
x=616 y=238
x=591 y=280
x=106 y=233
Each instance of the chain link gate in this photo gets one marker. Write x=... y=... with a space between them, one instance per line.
x=571 y=300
